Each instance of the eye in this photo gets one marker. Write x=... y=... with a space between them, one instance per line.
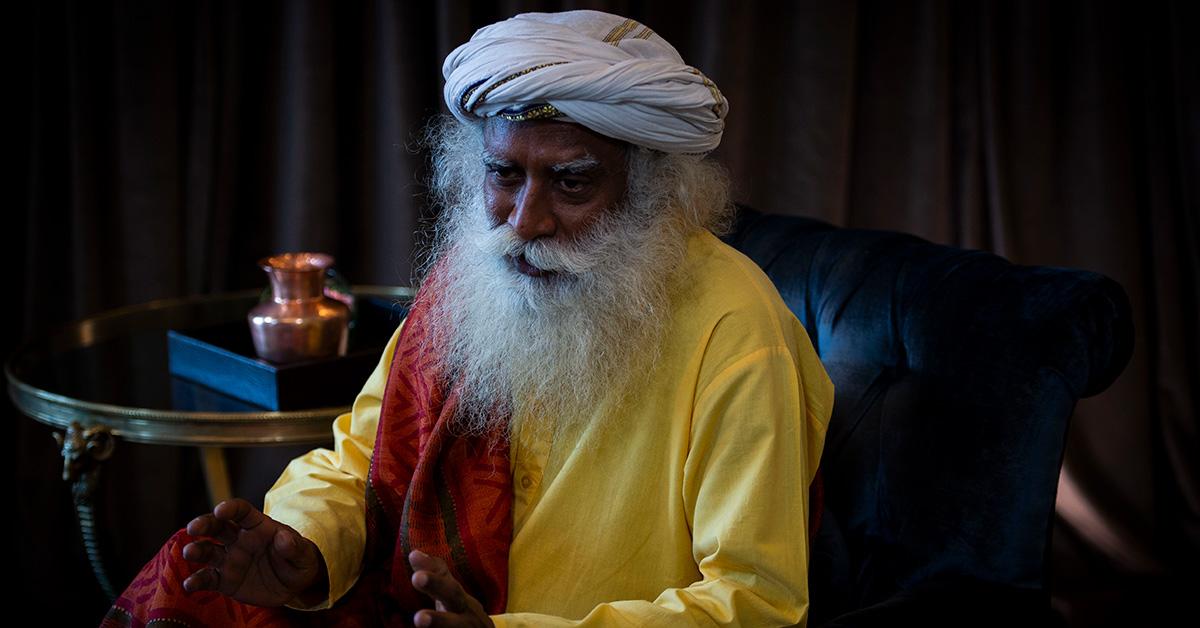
x=572 y=184
x=504 y=175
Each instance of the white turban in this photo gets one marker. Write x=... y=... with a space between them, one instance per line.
x=608 y=73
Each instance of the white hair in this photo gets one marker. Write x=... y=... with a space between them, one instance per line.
x=552 y=353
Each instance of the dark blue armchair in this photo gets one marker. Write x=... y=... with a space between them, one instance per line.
x=956 y=375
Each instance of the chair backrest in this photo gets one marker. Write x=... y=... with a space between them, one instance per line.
x=956 y=373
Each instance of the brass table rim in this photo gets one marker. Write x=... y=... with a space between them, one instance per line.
x=171 y=426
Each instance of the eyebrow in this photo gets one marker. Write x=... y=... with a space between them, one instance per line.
x=494 y=162
x=582 y=165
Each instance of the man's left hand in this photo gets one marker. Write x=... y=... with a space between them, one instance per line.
x=453 y=607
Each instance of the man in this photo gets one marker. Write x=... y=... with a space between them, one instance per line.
x=596 y=412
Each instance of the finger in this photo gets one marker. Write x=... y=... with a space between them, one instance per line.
x=201 y=525
x=420 y=560
x=207 y=579
x=440 y=619
x=433 y=579
x=239 y=512
x=204 y=552
x=208 y=525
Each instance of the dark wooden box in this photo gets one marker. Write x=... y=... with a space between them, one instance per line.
x=222 y=358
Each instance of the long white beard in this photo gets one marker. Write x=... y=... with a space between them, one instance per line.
x=554 y=353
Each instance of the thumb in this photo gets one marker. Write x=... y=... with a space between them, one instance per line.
x=287 y=545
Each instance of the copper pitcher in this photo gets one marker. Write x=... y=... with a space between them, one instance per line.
x=299 y=322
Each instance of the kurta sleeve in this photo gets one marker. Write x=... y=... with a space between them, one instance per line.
x=756 y=438
x=322 y=493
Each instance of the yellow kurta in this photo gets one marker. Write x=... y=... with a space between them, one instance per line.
x=690 y=507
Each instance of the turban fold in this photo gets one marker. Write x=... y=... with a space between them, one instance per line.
x=608 y=73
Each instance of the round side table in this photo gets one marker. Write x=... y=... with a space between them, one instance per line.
x=105 y=378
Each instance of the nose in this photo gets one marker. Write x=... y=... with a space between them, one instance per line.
x=532 y=215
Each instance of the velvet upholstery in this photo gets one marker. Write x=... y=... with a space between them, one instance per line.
x=956 y=373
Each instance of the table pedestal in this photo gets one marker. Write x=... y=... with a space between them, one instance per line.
x=83 y=450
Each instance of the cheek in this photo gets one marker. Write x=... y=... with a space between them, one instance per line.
x=614 y=192
x=497 y=204
x=578 y=220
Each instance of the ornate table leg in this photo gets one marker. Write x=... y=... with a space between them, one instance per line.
x=83 y=449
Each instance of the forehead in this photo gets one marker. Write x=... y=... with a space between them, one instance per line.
x=549 y=140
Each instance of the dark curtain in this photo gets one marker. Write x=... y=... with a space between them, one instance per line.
x=170 y=145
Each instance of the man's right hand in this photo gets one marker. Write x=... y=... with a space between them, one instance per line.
x=255 y=559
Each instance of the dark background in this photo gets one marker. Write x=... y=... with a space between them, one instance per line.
x=169 y=145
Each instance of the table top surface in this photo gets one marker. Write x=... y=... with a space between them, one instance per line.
x=111 y=369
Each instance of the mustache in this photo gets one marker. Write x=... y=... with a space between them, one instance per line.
x=577 y=258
